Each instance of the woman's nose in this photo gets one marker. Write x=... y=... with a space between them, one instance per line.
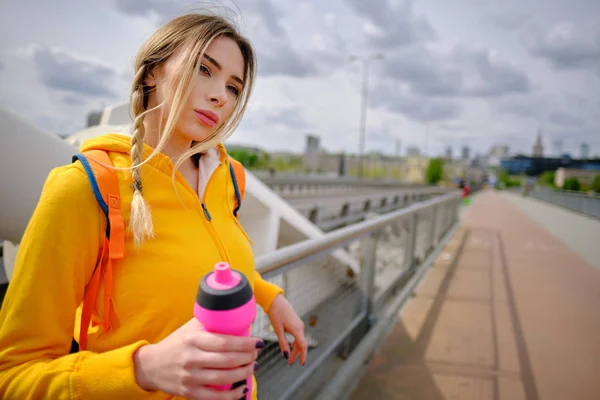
x=218 y=96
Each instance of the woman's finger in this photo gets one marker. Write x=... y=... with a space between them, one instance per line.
x=226 y=343
x=208 y=393
x=283 y=343
x=300 y=347
x=224 y=376
x=295 y=353
x=227 y=360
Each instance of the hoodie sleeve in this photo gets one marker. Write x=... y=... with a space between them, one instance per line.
x=56 y=258
x=265 y=292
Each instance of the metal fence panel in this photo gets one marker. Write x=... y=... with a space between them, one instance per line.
x=337 y=304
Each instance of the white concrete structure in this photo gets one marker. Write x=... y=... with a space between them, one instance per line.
x=28 y=155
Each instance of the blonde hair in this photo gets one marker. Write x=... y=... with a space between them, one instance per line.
x=191 y=33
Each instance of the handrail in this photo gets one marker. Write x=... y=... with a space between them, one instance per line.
x=270 y=263
x=339 y=307
x=574 y=193
x=586 y=204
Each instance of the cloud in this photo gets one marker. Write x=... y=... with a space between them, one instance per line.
x=461 y=72
x=391 y=26
x=509 y=21
x=564 y=112
x=417 y=108
x=288 y=118
x=2 y=66
x=563 y=119
x=568 y=46
x=270 y=16
x=164 y=9
x=74 y=100
x=70 y=74
x=521 y=107
x=276 y=55
x=279 y=59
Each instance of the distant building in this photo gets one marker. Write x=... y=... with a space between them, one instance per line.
x=538 y=147
x=585 y=150
x=413 y=151
x=584 y=176
x=311 y=152
x=93 y=118
x=534 y=166
x=466 y=153
x=496 y=154
x=448 y=153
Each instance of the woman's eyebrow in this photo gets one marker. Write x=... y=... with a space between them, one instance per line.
x=216 y=64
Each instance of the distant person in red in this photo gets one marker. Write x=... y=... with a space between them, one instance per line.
x=465 y=188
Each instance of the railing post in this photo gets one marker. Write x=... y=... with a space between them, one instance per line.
x=432 y=230
x=411 y=240
x=367 y=288
x=368 y=272
x=314 y=215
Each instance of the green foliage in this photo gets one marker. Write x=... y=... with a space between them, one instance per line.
x=396 y=173
x=287 y=164
x=251 y=159
x=571 y=184
x=547 y=178
x=505 y=180
x=435 y=171
x=596 y=184
x=374 y=173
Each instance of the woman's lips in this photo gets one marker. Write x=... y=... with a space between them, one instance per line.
x=207 y=117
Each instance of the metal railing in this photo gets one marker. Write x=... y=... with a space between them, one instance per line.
x=341 y=306
x=584 y=203
x=346 y=212
x=313 y=184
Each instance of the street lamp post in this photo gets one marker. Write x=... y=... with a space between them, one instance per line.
x=363 y=108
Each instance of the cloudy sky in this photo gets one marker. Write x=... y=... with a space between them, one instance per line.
x=453 y=73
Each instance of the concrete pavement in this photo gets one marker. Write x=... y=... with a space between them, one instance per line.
x=580 y=233
x=507 y=312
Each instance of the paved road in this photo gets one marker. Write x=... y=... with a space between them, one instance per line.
x=507 y=312
x=581 y=234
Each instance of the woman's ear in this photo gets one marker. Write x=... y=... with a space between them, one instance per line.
x=150 y=80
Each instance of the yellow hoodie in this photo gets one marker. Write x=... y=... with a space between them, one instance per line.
x=154 y=287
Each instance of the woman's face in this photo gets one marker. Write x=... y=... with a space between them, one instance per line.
x=215 y=89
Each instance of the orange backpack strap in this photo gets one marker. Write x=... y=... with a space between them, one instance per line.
x=105 y=185
x=238 y=174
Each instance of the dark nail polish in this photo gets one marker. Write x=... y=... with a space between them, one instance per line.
x=260 y=344
x=286 y=355
x=255 y=366
x=245 y=390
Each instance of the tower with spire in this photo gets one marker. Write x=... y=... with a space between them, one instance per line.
x=538 y=147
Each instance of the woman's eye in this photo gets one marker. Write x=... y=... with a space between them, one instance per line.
x=204 y=69
x=234 y=90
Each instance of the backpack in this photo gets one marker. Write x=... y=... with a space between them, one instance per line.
x=104 y=183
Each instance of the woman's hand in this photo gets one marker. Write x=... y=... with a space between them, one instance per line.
x=284 y=319
x=187 y=361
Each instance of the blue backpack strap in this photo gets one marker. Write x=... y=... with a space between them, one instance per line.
x=92 y=178
x=237 y=191
x=94 y=183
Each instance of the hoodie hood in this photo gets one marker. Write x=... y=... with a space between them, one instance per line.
x=119 y=145
x=111 y=142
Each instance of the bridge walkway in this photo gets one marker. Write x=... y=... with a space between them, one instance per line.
x=509 y=311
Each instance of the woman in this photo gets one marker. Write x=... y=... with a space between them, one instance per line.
x=192 y=82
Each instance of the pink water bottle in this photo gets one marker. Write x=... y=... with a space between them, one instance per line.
x=225 y=304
